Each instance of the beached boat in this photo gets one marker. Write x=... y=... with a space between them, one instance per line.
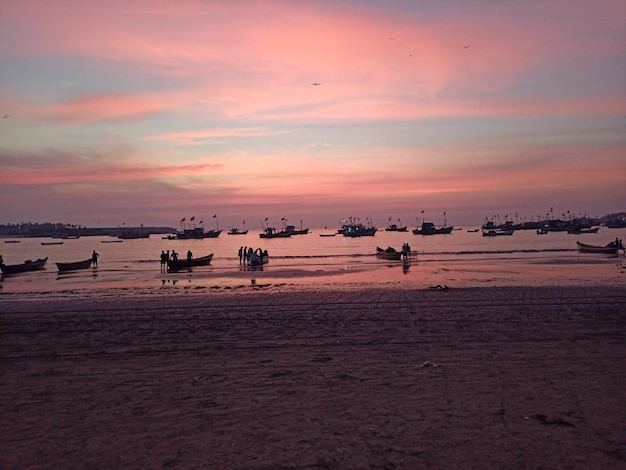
x=184 y=263
x=74 y=265
x=428 y=228
x=610 y=249
x=389 y=253
x=26 y=266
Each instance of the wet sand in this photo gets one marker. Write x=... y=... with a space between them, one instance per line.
x=254 y=378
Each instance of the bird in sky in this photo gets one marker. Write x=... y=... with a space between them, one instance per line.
x=6 y=116
x=466 y=47
x=316 y=84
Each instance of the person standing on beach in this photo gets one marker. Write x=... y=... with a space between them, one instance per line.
x=174 y=256
x=240 y=254
x=164 y=257
x=94 y=258
x=189 y=255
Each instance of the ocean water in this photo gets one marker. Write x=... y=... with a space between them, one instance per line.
x=460 y=259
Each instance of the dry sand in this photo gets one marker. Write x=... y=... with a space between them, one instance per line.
x=494 y=377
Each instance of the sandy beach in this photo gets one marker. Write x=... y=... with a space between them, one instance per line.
x=371 y=378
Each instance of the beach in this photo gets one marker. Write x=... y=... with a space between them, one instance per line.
x=291 y=377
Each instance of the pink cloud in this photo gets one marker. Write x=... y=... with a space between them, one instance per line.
x=101 y=107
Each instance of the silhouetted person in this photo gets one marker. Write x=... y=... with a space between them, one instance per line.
x=94 y=258
x=189 y=255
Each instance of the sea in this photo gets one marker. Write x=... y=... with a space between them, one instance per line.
x=463 y=258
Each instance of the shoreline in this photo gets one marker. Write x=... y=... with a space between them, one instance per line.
x=518 y=377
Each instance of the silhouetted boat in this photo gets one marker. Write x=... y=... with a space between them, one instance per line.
x=497 y=232
x=236 y=231
x=52 y=243
x=74 y=265
x=271 y=232
x=197 y=233
x=28 y=265
x=184 y=263
x=389 y=253
x=428 y=228
x=610 y=249
x=12 y=241
x=579 y=230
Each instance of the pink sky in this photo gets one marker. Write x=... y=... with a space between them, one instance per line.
x=145 y=112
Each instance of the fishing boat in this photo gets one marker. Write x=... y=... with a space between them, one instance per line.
x=389 y=253
x=62 y=267
x=579 y=230
x=428 y=228
x=111 y=241
x=196 y=233
x=175 y=265
x=26 y=266
x=296 y=231
x=327 y=234
x=236 y=231
x=610 y=249
x=395 y=227
x=51 y=243
x=497 y=232
x=12 y=241
x=271 y=232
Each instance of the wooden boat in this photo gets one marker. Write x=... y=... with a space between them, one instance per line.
x=610 y=249
x=74 y=265
x=12 y=241
x=51 y=243
x=390 y=253
x=184 y=263
x=28 y=265
x=111 y=241
x=327 y=234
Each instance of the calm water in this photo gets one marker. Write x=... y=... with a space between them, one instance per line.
x=460 y=259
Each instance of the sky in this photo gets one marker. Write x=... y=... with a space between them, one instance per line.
x=146 y=112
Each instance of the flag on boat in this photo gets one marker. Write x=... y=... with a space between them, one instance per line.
x=193 y=218
x=202 y=221
x=182 y=220
x=215 y=216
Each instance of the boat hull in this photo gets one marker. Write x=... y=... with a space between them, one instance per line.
x=24 y=267
x=186 y=264
x=610 y=249
x=85 y=264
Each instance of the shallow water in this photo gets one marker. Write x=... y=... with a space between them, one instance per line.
x=460 y=259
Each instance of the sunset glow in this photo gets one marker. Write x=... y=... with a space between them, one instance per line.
x=144 y=112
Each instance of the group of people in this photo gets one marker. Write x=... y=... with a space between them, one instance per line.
x=166 y=256
x=406 y=250
x=247 y=255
